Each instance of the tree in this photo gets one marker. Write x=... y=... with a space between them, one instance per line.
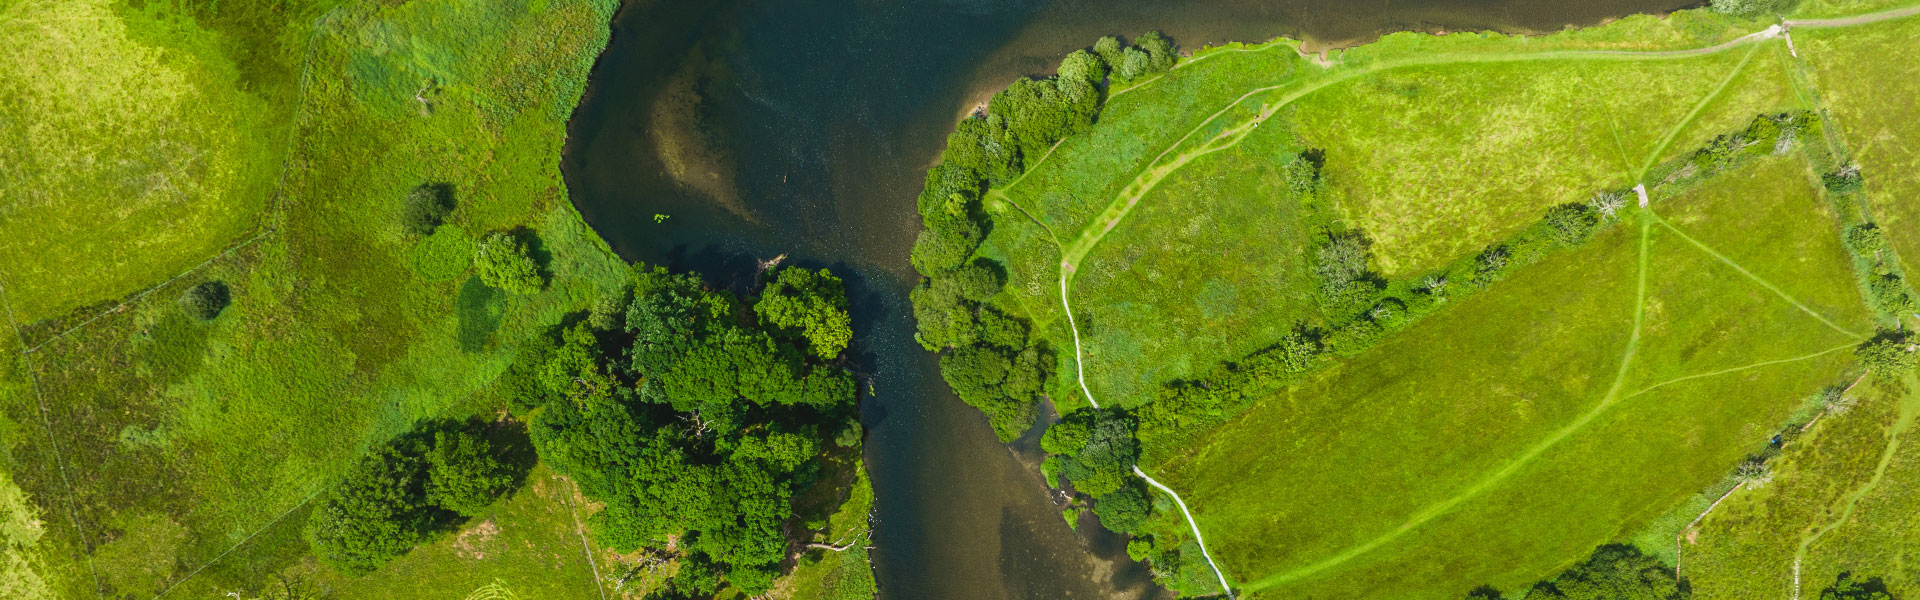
x=979 y=281
x=504 y=262
x=1124 y=510
x=948 y=240
x=1614 y=572
x=1889 y=354
x=1845 y=587
x=375 y=514
x=1083 y=66
x=1159 y=50
x=812 y=303
x=463 y=474
x=1109 y=50
x=206 y=300
x=427 y=207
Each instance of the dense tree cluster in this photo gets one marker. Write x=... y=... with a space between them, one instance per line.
x=693 y=417
x=1096 y=449
x=404 y=492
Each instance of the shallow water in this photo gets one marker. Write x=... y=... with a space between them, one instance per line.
x=718 y=134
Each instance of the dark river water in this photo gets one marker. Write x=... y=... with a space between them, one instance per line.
x=802 y=127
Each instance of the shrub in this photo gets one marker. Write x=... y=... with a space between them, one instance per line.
x=1159 y=50
x=1889 y=293
x=1866 y=240
x=1572 y=223
x=504 y=262
x=1302 y=172
x=463 y=474
x=1846 y=180
x=1140 y=548
x=1346 y=284
x=1491 y=264
x=1845 y=587
x=206 y=301
x=427 y=206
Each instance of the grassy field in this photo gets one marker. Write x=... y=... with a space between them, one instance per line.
x=144 y=141
x=191 y=449
x=1482 y=427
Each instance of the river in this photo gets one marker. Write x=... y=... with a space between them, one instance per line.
x=716 y=134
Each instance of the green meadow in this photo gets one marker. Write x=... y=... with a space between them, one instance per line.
x=269 y=147
x=1602 y=392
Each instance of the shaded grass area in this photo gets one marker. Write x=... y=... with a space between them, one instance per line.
x=1867 y=76
x=144 y=140
x=1543 y=351
x=195 y=446
x=845 y=574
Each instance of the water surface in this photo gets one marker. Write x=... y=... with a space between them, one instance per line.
x=761 y=128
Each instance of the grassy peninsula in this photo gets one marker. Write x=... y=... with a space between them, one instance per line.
x=1581 y=315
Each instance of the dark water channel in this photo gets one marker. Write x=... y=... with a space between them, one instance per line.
x=802 y=127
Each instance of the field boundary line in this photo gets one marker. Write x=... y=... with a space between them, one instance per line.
x=231 y=248
x=1740 y=368
x=243 y=542
x=1756 y=278
x=53 y=441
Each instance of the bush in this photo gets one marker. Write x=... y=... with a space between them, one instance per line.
x=427 y=206
x=1846 y=180
x=206 y=301
x=1302 y=172
x=1347 y=286
x=463 y=474
x=1572 y=223
x=1889 y=293
x=504 y=262
x=1491 y=264
x=1866 y=240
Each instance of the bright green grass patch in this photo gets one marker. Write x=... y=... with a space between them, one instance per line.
x=1814 y=9
x=1494 y=425
x=138 y=147
x=1869 y=76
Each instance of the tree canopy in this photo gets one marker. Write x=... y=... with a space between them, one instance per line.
x=503 y=261
x=697 y=419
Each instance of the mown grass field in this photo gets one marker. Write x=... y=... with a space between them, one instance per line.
x=191 y=449
x=1473 y=448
